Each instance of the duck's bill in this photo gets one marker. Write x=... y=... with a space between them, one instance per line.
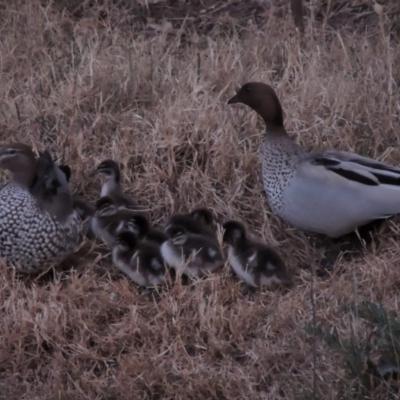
x=233 y=100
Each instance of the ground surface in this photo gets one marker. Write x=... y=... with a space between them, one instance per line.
x=143 y=84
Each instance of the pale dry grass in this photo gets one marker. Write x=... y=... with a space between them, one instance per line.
x=88 y=92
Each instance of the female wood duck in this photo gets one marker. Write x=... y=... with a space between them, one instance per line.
x=39 y=226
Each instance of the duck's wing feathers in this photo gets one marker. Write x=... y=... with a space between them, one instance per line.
x=356 y=168
x=335 y=192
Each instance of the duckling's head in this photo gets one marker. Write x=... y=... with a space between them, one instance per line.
x=105 y=207
x=204 y=215
x=263 y=100
x=198 y=221
x=109 y=169
x=138 y=224
x=177 y=235
x=234 y=234
x=126 y=240
x=20 y=160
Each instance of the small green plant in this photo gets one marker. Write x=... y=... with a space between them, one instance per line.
x=373 y=355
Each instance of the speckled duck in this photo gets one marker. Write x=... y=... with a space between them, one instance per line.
x=39 y=226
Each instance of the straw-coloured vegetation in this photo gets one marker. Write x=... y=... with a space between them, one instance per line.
x=90 y=81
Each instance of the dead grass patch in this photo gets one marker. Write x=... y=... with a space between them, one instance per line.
x=88 y=91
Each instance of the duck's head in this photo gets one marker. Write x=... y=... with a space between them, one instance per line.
x=177 y=235
x=20 y=160
x=126 y=240
x=234 y=234
x=109 y=169
x=105 y=207
x=138 y=224
x=263 y=100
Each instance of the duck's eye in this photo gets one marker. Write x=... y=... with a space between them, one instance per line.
x=11 y=152
x=247 y=88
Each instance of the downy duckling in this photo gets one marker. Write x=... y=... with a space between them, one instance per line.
x=140 y=226
x=199 y=221
x=193 y=254
x=257 y=264
x=111 y=186
x=39 y=226
x=105 y=221
x=140 y=260
x=108 y=219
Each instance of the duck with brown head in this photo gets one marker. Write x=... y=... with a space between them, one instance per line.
x=33 y=235
x=332 y=192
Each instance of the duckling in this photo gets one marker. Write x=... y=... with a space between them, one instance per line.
x=193 y=254
x=257 y=264
x=140 y=260
x=39 y=225
x=199 y=221
x=111 y=187
x=105 y=221
x=138 y=224
x=108 y=219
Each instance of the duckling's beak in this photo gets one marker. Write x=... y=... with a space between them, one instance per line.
x=93 y=173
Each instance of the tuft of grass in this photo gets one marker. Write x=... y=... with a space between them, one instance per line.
x=371 y=350
x=96 y=80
